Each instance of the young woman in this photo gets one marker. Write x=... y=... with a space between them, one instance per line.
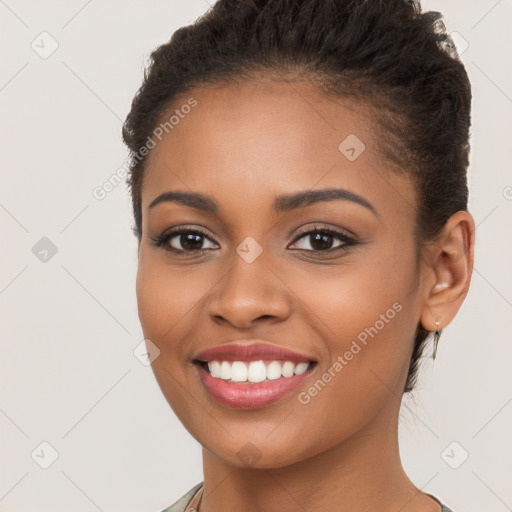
x=298 y=179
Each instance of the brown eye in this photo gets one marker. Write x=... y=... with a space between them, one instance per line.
x=185 y=241
x=321 y=240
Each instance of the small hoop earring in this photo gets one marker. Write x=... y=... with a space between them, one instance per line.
x=437 y=335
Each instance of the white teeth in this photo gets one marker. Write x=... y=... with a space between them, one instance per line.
x=238 y=372
x=255 y=371
x=214 y=368
x=225 y=370
x=274 y=370
x=301 y=368
x=288 y=369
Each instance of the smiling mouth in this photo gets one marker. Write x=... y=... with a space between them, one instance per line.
x=253 y=372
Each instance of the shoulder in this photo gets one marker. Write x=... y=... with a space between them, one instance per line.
x=444 y=508
x=182 y=503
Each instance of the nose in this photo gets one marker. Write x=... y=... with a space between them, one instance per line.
x=249 y=294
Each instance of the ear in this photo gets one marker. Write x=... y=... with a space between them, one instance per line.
x=449 y=265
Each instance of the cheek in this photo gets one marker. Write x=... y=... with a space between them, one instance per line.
x=367 y=315
x=367 y=320
x=350 y=298
x=168 y=298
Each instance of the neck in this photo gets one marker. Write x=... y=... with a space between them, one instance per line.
x=364 y=472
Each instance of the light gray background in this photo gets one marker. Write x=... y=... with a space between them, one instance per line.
x=68 y=374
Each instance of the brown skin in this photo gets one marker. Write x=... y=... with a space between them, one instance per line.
x=244 y=145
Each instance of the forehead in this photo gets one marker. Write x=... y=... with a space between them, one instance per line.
x=246 y=140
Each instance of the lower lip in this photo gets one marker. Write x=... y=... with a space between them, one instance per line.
x=246 y=395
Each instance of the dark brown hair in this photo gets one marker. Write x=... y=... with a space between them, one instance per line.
x=387 y=54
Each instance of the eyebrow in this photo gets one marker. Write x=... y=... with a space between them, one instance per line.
x=286 y=203
x=282 y=203
x=193 y=199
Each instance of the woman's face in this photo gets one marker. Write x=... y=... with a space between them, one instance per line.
x=331 y=276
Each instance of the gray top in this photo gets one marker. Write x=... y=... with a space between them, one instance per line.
x=182 y=503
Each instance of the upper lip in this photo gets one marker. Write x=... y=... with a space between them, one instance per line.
x=253 y=350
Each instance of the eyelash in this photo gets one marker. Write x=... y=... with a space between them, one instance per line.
x=347 y=240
